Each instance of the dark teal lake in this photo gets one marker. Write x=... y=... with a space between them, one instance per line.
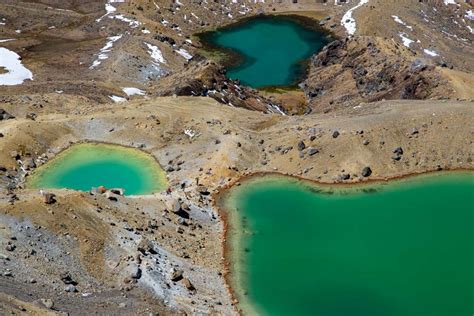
x=402 y=248
x=272 y=50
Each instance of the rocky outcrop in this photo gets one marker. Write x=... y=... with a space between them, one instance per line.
x=207 y=78
x=366 y=69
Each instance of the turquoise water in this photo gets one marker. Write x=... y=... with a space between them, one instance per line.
x=272 y=49
x=85 y=166
x=404 y=248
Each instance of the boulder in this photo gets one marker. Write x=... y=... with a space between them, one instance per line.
x=203 y=190
x=174 y=206
x=312 y=151
x=176 y=275
x=49 y=198
x=366 y=172
x=4 y=115
x=345 y=176
x=398 y=151
x=187 y=283
x=118 y=191
x=67 y=279
x=70 y=288
x=111 y=196
x=136 y=272
x=301 y=145
x=48 y=303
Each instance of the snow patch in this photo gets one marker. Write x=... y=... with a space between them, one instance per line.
x=117 y=99
x=430 y=52
x=184 y=53
x=155 y=53
x=348 y=21
x=133 y=91
x=103 y=53
x=405 y=40
x=16 y=72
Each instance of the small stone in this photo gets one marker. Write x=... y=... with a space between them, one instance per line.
x=10 y=247
x=67 y=279
x=414 y=131
x=398 y=150
x=70 y=288
x=312 y=151
x=48 y=303
x=203 y=190
x=335 y=134
x=345 y=176
x=365 y=142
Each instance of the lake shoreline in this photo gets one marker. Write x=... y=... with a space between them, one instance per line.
x=221 y=197
x=231 y=58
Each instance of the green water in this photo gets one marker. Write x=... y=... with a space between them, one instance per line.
x=271 y=49
x=404 y=248
x=85 y=166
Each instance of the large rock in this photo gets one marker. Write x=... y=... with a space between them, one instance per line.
x=301 y=145
x=187 y=283
x=176 y=275
x=48 y=303
x=136 y=272
x=67 y=279
x=49 y=198
x=4 y=115
x=366 y=172
x=312 y=151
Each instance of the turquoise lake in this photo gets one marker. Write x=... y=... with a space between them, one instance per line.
x=402 y=248
x=272 y=50
x=84 y=166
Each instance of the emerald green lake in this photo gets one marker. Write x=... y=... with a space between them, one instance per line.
x=82 y=167
x=399 y=248
x=271 y=49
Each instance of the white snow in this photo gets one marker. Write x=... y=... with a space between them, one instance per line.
x=103 y=53
x=117 y=99
x=16 y=72
x=155 y=53
x=348 y=21
x=121 y=17
x=470 y=15
x=400 y=21
x=133 y=91
x=185 y=54
x=430 y=52
x=446 y=2
x=406 y=41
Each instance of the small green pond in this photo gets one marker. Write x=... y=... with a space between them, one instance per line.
x=268 y=50
x=84 y=166
x=400 y=248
